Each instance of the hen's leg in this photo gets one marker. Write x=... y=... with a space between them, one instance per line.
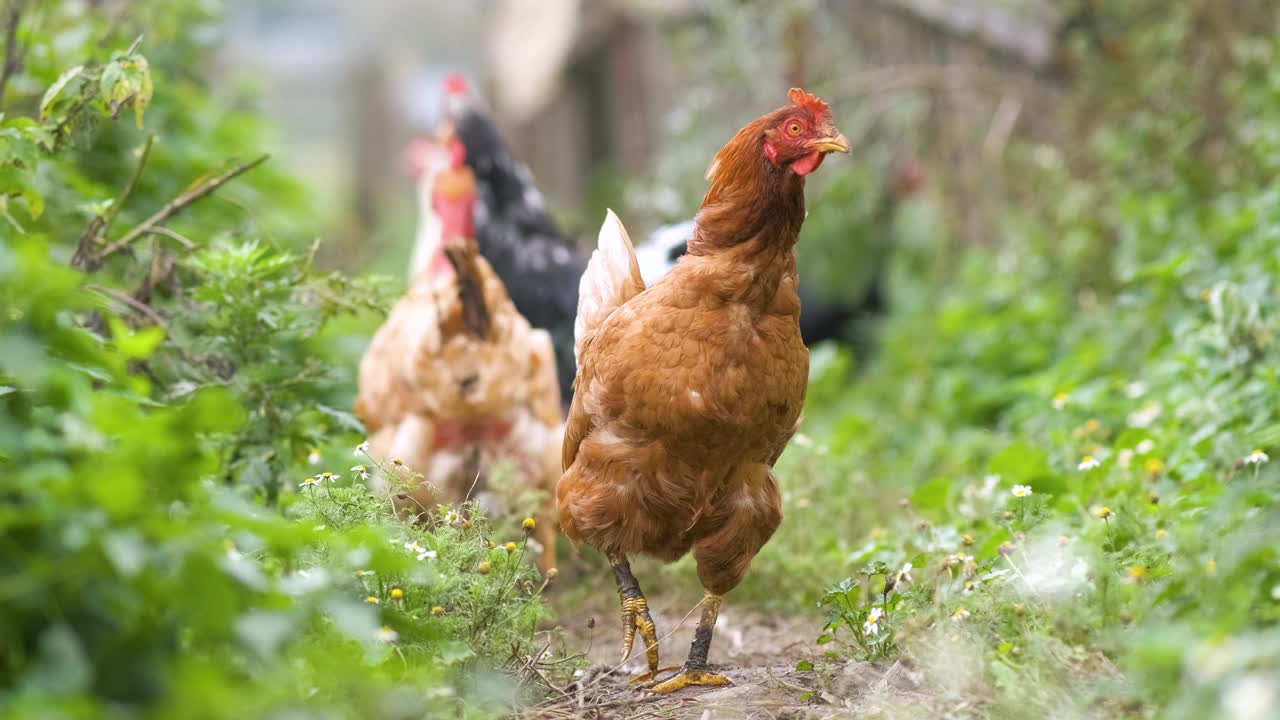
x=695 y=670
x=742 y=525
x=635 y=615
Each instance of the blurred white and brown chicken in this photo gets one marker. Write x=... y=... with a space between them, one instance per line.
x=456 y=381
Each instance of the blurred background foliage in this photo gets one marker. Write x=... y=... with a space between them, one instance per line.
x=1086 y=275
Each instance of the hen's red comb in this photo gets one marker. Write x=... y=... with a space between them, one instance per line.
x=802 y=99
x=454 y=84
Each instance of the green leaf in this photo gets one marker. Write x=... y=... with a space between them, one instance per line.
x=932 y=495
x=56 y=89
x=135 y=344
x=804 y=666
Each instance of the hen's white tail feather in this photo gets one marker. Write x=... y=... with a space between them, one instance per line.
x=611 y=279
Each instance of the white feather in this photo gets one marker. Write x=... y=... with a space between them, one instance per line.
x=611 y=279
x=654 y=254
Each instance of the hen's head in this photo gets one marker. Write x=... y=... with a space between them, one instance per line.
x=799 y=136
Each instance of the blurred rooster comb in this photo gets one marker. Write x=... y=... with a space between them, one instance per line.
x=802 y=99
x=454 y=84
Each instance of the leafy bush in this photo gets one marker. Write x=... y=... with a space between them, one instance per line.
x=162 y=386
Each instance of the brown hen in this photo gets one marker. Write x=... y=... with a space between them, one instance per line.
x=456 y=381
x=688 y=391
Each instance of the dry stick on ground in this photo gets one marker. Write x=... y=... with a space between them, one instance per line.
x=177 y=205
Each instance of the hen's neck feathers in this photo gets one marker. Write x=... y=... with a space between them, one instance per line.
x=750 y=219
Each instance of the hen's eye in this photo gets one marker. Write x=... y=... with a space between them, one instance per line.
x=794 y=128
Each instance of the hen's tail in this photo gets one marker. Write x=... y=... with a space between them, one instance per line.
x=475 y=313
x=611 y=279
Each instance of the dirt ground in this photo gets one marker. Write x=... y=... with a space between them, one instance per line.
x=758 y=651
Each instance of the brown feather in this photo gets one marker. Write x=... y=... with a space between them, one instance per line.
x=475 y=314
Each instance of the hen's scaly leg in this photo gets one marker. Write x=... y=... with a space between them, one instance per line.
x=635 y=615
x=695 y=670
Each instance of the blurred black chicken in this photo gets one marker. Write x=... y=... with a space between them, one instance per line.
x=541 y=267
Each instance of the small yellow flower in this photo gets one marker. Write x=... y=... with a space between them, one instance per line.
x=510 y=547
x=1092 y=425
x=397 y=594
x=1211 y=567
x=1257 y=457
x=1137 y=573
x=528 y=524
x=397 y=462
x=372 y=600
x=437 y=611
x=1161 y=532
x=966 y=540
x=552 y=572
x=1102 y=512
x=959 y=614
x=1060 y=400
x=1021 y=491
x=1204 y=294
x=1153 y=466
x=483 y=568
x=969 y=586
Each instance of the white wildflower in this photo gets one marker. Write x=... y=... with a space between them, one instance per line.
x=1135 y=389
x=872 y=624
x=452 y=517
x=1144 y=447
x=1088 y=462
x=327 y=477
x=1257 y=457
x=424 y=554
x=413 y=547
x=313 y=456
x=959 y=615
x=1060 y=400
x=310 y=481
x=1021 y=491
x=361 y=471
x=387 y=635
x=361 y=449
x=904 y=575
x=1144 y=417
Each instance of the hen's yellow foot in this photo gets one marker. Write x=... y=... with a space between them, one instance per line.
x=688 y=678
x=636 y=617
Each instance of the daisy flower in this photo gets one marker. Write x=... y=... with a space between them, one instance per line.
x=959 y=615
x=1088 y=462
x=313 y=456
x=361 y=449
x=1060 y=400
x=872 y=624
x=1144 y=447
x=904 y=575
x=1257 y=457
x=387 y=635
x=310 y=481
x=1021 y=491
x=361 y=471
x=1102 y=512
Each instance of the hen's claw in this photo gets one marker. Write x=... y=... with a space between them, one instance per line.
x=635 y=616
x=688 y=678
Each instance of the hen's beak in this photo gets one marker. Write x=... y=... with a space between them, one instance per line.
x=834 y=143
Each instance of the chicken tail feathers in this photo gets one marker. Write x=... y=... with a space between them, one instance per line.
x=611 y=279
x=475 y=313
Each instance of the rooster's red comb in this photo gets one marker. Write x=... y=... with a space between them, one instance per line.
x=454 y=84
x=802 y=99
